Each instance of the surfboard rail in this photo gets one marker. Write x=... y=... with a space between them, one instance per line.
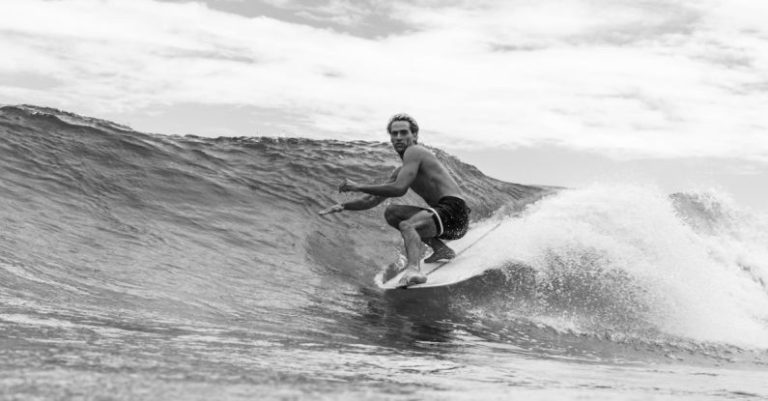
x=449 y=272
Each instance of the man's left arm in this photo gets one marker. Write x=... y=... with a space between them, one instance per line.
x=411 y=164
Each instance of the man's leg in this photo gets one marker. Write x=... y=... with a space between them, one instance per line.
x=440 y=251
x=415 y=225
x=421 y=225
x=395 y=214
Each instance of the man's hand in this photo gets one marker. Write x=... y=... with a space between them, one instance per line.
x=348 y=186
x=333 y=209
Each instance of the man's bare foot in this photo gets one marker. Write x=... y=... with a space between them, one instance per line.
x=441 y=254
x=390 y=272
x=412 y=276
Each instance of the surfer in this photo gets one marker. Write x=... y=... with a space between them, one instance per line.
x=447 y=218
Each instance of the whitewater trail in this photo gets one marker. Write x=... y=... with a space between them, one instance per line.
x=630 y=259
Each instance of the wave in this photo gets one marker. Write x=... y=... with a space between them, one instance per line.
x=102 y=220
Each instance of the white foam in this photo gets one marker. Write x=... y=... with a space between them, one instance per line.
x=702 y=284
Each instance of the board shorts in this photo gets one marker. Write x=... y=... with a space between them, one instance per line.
x=451 y=216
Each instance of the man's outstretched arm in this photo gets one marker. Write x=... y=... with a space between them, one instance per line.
x=398 y=184
x=364 y=203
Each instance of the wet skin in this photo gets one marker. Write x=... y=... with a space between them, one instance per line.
x=427 y=177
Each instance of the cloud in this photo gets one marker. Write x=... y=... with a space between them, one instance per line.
x=625 y=78
x=361 y=18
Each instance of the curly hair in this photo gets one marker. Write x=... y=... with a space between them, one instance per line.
x=404 y=117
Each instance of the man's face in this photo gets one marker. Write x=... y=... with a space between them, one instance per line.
x=401 y=136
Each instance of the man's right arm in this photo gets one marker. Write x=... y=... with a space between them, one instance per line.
x=364 y=203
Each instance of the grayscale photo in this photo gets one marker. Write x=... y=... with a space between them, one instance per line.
x=383 y=200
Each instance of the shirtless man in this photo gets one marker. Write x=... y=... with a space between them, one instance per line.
x=446 y=218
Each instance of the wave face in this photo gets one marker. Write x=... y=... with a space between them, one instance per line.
x=199 y=248
x=103 y=219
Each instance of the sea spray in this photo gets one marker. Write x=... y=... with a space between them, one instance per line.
x=626 y=259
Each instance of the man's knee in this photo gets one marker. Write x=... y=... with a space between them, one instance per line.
x=419 y=222
x=406 y=225
x=393 y=219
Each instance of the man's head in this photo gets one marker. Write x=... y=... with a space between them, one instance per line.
x=403 y=132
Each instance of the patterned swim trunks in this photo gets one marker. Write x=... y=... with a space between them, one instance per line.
x=451 y=216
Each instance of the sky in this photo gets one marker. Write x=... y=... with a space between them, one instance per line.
x=670 y=93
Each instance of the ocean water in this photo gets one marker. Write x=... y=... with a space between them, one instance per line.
x=144 y=266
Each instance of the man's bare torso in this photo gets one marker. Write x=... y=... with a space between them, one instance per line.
x=433 y=181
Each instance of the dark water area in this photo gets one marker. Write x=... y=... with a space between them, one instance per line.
x=146 y=266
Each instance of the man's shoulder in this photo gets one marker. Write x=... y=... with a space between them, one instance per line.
x=418 y=151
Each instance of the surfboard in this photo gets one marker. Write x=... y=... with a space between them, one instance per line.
x=469 y=262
